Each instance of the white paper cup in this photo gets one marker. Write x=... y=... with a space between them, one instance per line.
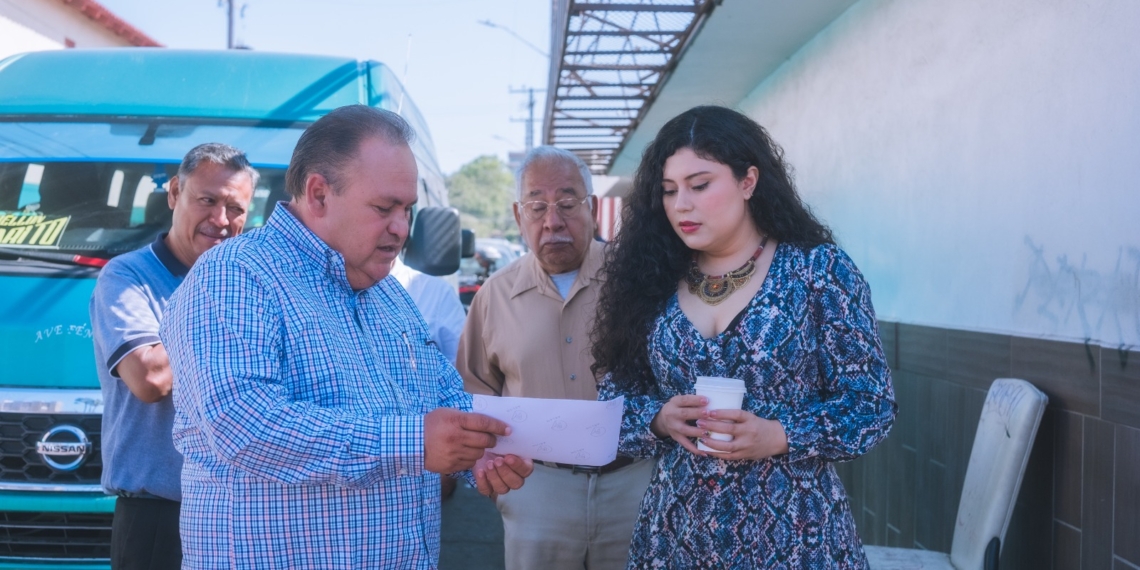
x=723 y=394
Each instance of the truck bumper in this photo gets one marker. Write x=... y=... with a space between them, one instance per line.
x=45 y=502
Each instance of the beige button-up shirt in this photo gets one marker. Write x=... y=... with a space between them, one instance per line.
x=523 y=339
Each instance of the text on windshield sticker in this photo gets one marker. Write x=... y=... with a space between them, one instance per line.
x=31 y=229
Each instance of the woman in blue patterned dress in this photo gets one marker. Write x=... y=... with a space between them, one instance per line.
x=720 y=270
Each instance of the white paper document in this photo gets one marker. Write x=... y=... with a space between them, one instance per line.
x=578 y=432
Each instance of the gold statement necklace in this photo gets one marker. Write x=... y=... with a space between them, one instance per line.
x=714 y=289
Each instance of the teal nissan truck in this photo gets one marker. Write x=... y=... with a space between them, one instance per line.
x=88 y=141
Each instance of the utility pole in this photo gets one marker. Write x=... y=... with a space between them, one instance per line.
x=231 y=15
x=529 y=120
x=234 y=10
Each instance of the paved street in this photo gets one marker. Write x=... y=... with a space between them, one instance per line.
x=472 y=532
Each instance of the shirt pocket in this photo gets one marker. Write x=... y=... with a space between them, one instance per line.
x=414 y=366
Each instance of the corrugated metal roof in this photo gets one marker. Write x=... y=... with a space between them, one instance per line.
x=611 y=60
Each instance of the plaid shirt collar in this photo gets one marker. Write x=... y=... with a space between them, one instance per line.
x=309 y=245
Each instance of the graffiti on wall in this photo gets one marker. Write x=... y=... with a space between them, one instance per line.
x=1066 y=292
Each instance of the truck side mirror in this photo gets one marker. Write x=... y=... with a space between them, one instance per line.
x=435 y=243
x=468 y=247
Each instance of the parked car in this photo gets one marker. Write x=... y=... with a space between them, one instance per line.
x=491 y=255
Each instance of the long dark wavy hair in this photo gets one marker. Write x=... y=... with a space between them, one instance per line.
x=647 y=260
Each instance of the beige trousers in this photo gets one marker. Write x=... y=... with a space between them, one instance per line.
x=565 y=520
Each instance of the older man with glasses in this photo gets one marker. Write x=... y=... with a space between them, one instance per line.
x=527 y=334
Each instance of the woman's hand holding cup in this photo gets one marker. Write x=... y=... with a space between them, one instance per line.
x=733 y=434
x=676 y=420
x=713 y=417
x=753 y=437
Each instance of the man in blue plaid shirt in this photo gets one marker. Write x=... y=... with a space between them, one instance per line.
x=311 y=408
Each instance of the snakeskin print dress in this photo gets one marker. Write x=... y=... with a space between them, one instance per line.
x=808 y=350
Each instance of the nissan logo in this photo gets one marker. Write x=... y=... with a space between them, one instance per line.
x=64 y=452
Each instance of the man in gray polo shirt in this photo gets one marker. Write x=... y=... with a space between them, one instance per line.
x=210 y=198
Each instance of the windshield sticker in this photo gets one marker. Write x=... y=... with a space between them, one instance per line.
x=31 y=229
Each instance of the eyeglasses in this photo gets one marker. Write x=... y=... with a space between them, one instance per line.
x=566 y=207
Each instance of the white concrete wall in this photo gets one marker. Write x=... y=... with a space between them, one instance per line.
x=979 y=160
x=17 y=38
x=31 y=25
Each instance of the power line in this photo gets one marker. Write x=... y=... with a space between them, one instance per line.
x=491 y=24
x=529 y=120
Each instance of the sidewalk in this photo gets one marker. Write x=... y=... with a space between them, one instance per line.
x=471 y=533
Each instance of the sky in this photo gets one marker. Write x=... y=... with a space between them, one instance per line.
x=459 y=72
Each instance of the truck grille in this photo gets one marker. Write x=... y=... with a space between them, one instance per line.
x=19 y=461
x=54 y=536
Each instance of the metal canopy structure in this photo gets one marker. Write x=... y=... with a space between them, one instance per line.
x=611 y=59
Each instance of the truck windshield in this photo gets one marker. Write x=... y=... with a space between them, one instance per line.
x=92 y=189
x=97 y=208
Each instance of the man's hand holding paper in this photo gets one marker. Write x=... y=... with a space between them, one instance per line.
x=455 y=440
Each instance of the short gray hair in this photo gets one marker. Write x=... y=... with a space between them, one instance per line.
x=330 y=143
x=545 y=153
x=220 y=154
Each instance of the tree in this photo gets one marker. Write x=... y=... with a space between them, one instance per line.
x=482 y=190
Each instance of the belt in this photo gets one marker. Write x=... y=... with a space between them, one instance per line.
x=588 y=469
x=139 y=495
